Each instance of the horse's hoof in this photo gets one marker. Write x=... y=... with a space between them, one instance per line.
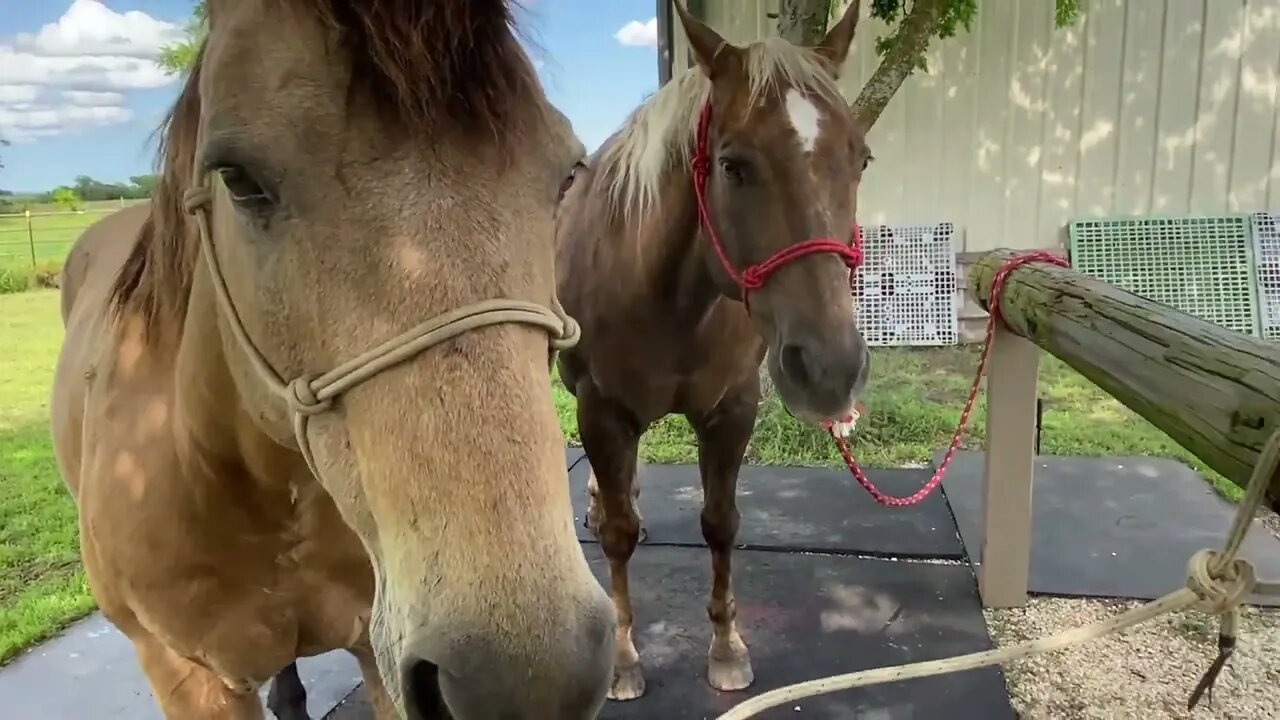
x=628 y=683
x=729 y=675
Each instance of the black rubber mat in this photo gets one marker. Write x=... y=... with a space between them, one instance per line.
x=791 y=508
x=1112 y=527
x=803 y=616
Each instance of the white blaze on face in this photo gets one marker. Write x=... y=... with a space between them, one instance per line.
x=804 y=118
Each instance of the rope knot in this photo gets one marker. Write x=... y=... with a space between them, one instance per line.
x=569 y=333
x=1220 y=587
x=701 y=168
x=302 y=399
x=196 y=199
x=753 y=277
x=854 y=257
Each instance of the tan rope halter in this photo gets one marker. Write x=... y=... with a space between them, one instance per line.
x=307 y=396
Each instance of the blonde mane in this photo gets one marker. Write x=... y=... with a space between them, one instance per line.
x=661 y=131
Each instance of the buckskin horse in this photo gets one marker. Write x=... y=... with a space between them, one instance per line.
x=270 y=456
x=711 y=231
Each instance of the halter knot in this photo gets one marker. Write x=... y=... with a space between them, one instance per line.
x=302 y=399
x=569 y=334
x=701 y=167
x=196 y=198
x=753 y=277
x=1221 y=588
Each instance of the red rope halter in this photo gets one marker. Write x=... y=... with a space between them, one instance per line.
x=754 y=276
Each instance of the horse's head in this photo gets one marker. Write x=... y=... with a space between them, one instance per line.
x=781 y=157
x=372 y=166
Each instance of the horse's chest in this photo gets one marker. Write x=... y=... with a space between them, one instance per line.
x=241 y=598
x=661 y=368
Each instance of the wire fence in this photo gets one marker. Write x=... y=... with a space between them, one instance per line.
x=38 y=240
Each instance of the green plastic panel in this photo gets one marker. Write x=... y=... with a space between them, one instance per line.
x=1202 y=265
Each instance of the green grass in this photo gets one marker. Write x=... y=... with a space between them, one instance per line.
x=42 y=587
x=912 y=407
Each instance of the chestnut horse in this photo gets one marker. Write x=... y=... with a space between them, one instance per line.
x=712 y=231
x=270 y=456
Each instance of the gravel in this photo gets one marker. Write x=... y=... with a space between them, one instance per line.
x=1147 y=672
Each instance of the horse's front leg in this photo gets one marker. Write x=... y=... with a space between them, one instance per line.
x=611 y=438
x=723 y=435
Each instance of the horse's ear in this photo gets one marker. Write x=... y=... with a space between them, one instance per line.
x=835 y=46
x=709 y=49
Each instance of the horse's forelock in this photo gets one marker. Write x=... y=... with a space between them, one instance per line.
x=432 y=60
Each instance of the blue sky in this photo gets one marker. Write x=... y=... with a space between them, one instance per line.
x=80 y=94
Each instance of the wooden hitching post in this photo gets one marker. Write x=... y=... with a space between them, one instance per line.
x=1005 y=561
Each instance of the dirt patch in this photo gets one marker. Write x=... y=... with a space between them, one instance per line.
x=1147 y=672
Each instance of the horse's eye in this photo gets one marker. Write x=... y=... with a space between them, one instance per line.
x=568 y=181
x=734 y=170
x=243 y=188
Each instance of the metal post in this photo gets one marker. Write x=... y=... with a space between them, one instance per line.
x=664 y=41
x=31 y=240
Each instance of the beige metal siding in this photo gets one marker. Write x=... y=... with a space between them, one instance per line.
x=1147 y=106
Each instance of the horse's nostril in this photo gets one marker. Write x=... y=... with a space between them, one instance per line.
x=422 y=691
x=795 y=365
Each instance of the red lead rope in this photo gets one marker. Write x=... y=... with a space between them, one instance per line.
x=754 y=277
x=993 y=302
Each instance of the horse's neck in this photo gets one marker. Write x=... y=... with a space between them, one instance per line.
x=677 y=268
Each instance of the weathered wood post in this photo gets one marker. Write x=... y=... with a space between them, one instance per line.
x=1005 y=558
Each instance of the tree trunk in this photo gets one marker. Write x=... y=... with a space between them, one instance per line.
x=803 y=22
x=908 y=45
x=1215 y=391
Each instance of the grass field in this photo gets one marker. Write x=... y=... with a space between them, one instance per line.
x=41 y=584
x=50 y=231
x=913 y=404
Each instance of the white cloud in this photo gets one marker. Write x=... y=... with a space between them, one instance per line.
x=89 y=97
x=92 y=72
x=639 y=34
x=90 y=28
x=36 y=121
x=73 y=73
x=18 y=94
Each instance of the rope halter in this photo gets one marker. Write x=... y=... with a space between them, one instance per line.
x=307 y=396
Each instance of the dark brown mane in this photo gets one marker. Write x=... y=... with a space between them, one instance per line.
x=421 y=61
x=428 y=58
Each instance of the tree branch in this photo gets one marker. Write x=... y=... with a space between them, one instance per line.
x=803 y=22
x=906 y=48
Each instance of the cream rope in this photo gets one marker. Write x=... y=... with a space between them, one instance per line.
x=306 y=396
x=1217 y=583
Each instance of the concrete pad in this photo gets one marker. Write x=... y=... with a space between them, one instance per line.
x=91 y=671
